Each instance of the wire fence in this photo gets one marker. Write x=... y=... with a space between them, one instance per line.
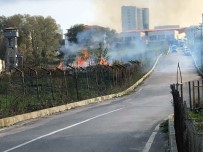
x=28 y=89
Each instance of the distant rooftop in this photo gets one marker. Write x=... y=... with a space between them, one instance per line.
x=180 y=29
x=166 y=26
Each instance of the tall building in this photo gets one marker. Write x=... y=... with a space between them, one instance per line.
x=139 y=19
x=145 y=15
x=134 y=18
x=129 y=18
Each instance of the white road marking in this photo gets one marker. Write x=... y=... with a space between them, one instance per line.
x=62 y=129
x=151 y=139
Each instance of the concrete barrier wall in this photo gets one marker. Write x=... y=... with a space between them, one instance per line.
x=19 y=118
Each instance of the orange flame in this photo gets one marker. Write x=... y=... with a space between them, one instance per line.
x=103 y=62
x=61 y=65
x=85 y=54
x=82 y=60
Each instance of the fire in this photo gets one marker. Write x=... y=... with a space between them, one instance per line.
x=85 y=54
x=82 y=60
x=61 y=65
x=103 y=62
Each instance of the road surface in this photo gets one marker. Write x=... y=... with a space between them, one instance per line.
x=124 y=124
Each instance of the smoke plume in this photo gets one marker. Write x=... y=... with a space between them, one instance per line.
x=162 y=12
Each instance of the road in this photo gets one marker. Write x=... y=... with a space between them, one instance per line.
x=124 y=124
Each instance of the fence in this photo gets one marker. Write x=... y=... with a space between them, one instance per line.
x=28 y=89
x=192 y=93
x=188 y=139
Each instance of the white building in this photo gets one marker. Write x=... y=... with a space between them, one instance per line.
x=145 y=16
x=139 y=19
x=129 y=18
x=129 y=37
x=134 y=18
x=163 y=33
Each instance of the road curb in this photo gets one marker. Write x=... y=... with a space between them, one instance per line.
x=5 y=122
x=172 y=138
x=198 y=69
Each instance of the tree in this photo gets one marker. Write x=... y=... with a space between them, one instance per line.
x=3 y=22
x=73 y=32
x=50 y=38
x=95 y=38
x=38 y=39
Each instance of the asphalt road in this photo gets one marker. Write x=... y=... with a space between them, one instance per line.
x=124 y=124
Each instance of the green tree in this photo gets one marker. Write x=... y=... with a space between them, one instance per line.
x=49 y=38
x=3 y=22
x=73 y=32
x=39 y=37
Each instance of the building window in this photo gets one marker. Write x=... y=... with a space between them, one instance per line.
x=161 y=37
x=153 y=37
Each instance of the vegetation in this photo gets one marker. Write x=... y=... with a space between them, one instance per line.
x=41 y=90
x=39 y=37
x=197 y=118
x=94 y=39
x=164 y=126
x=73 y=32
x=88 y=35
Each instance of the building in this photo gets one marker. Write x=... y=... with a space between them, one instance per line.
x=145 y=15
x=129 y=37
x=134 y=18
x=160 y=34
x=129 y=18
x=166 y=33
x=139 y=19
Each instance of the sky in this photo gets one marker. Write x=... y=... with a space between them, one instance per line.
x=106 y=13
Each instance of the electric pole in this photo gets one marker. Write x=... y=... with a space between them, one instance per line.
x=201 y=43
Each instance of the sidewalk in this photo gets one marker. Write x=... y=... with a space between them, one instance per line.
x=165 y=140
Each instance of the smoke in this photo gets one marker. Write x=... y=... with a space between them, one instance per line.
x=83 y=53
x=93 y=39
x=162 y=12
x=127 y=51
x=114 y=49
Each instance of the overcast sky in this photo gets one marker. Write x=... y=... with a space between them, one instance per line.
x=106 y=12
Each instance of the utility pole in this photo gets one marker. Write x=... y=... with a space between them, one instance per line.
x=201 y=43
